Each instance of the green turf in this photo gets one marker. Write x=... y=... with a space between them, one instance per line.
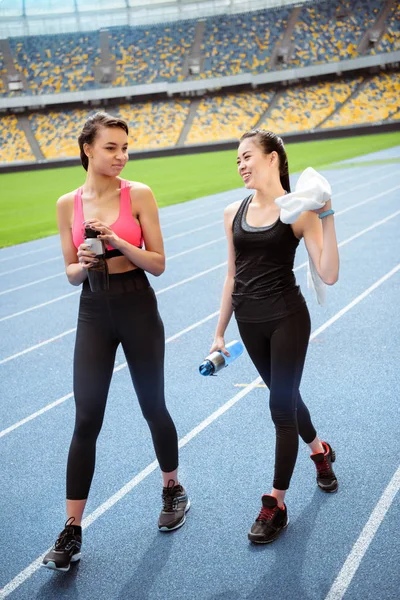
x=27 y=201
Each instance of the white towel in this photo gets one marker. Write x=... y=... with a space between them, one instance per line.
x=312 y=191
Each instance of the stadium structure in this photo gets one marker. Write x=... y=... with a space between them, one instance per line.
x=190 y=76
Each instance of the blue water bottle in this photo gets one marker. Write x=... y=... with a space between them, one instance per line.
x=216 y=361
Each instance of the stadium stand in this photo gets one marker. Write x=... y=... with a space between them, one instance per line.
x=57 y=63
x=221 y=118
x=390 y=41
x=376 y=101
x=149 y=54
x=331 y=31
x=14 y=146
x=304 y=107
x=57 y=131
x=156 y=124
x=239 y=43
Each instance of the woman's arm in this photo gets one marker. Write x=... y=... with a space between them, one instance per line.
x=226 y=309
x=320 y=239
x=76 y=272
x=152 y=259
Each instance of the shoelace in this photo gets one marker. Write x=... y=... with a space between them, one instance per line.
x=323 y=468
x=170 y=501
x=66 y=535
x=266 y=514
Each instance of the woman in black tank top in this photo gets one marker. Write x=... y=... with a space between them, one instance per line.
x=272 y=316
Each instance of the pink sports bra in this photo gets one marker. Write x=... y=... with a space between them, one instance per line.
x=125 y=226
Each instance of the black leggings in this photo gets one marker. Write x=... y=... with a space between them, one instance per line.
x=127 y=313
x=278 y=350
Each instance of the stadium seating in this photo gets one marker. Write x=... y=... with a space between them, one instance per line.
x=390 y=41
x=327 y=31
x=57 y=63
x=303 y=107
x=221 y=118
x=155 y=124
x=240 y=43
x=14 y=146
x=57 y=131
x=151 y=53
x=331 y=31
x=376 y=101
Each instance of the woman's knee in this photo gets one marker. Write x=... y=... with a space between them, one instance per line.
x=87 y=427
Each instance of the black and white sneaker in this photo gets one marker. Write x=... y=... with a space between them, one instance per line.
x=66 y=550
x=326 y=478
x=269 y=523
x=175 y=506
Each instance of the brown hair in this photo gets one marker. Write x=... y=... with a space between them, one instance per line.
x=90 y=129
x=270 y=142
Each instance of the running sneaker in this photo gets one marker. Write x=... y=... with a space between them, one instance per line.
x=269 y=523
x=175 y=506
x=326 y=478
x=66 y=550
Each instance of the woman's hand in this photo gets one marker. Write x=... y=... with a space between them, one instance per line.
x=219 y=345
x=86 y=258
x=106 y=233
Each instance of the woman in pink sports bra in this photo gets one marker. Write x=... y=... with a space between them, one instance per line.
x=126 y=216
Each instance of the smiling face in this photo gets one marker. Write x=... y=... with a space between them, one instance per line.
x=255 y=167
x=108 y=153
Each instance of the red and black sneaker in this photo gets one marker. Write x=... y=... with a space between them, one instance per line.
x=326 y=478
x=269 y=522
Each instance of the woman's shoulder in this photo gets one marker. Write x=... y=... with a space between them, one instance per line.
x=138 y=190
x=67 y=199
x=231 y=209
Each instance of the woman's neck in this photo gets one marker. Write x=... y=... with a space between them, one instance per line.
x=100 y=185
x=267 y=195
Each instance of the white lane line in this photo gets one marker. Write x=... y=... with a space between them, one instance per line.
x=174 y=285
x=36 y=346
x=340 y=212
x=200 y=247
x=183 y=233
x=42 y=262
x=22 y=312
x=48 y=407
x=35 y=565
x=26 y=310
x=25 y=285
x=353 y=561
x=197 y=205
x=209 y=225
x=16 y=256
x=301 y=266
x=209 y=212
x=37 y=281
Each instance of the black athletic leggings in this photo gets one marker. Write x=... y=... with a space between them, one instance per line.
x=278 y=350
x=127 y=313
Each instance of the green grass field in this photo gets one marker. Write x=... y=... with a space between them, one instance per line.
x=27 y=201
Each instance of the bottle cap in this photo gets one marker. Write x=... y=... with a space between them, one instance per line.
x=206 y=368
x=91 y=233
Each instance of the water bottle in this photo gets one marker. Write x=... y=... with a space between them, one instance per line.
x=216 y=361
x=98 y=273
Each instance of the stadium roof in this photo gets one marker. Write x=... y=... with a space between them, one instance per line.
x=32 y=17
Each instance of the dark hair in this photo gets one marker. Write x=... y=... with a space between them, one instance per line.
x=90 y=129
x=269 y=142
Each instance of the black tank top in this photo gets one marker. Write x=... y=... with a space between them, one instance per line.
x=265 y=286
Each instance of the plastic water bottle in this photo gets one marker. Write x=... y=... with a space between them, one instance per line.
x=98 y=273
x=216 y=361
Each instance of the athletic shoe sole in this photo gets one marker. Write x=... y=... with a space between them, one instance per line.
x=178 y=525
x=268 y=541
x=53 y=567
